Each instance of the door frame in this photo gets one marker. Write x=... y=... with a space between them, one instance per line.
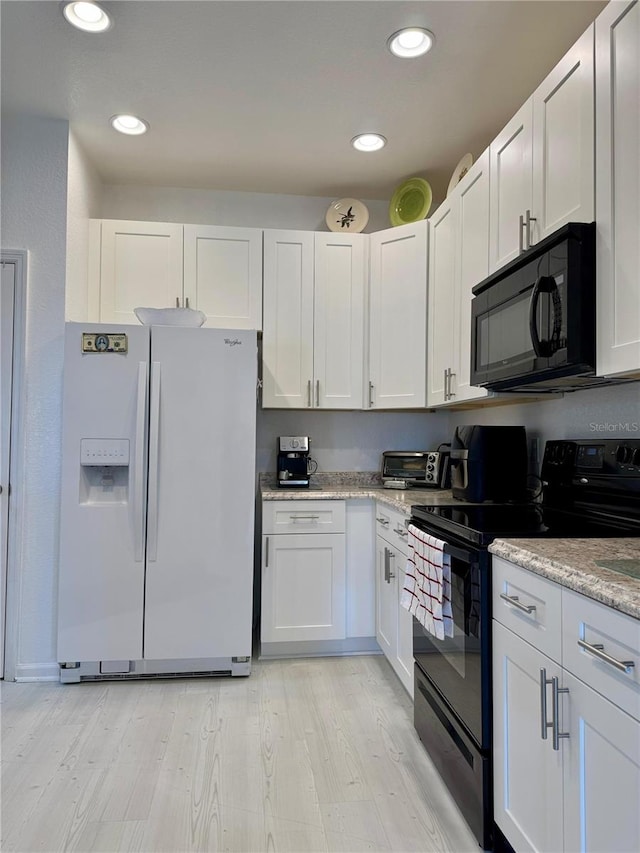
x=19 y=258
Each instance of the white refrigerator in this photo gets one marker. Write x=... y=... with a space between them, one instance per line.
x=157 y=504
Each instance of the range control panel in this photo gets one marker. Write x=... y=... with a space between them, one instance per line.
x=610 y=456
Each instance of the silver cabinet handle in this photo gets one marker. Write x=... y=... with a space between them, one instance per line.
x=317 y=392
x=597 y=650
x=400 y=531
x=527 y=233
x=520 y=240
x=266 y=559
x=388 y=574
x=383 y=520
x=544 y=724
x=309 y=393
x=514 y=601
x=187 y=301
x=450 y=392
x=446 y=383
x=371 y=403
x=177 y=301
x=555 y=720
x=304 y=517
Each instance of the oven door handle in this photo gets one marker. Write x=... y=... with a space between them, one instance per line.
x=459 y=554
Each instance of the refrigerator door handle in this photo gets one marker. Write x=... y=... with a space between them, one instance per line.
x=154 y=446
x=138 y=474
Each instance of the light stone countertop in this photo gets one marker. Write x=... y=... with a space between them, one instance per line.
x=398 y=499
x=573 y=564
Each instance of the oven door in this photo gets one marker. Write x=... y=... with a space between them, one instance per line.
x=459 y=666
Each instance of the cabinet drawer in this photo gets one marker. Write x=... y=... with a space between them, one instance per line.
x=542 y=625
x=392 y=526
x=303 y=517
x=618 y=635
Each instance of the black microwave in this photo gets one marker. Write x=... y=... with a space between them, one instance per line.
x=533 y=323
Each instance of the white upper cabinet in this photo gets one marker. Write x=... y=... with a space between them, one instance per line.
x=217 y=270
x=135 y=264
x=472 y=268
x=542 y=163
x=618 y=189
x=314 y=301
x=511 y=176
x=443 y=243
x=398 y=317
x=223 y=275
x=458 y=260
x=341 y=271
x=287 y=341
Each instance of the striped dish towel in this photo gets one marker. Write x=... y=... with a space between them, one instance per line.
x=427 y=585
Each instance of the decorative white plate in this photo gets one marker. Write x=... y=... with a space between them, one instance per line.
x=170 y=316
x=460 y=171
x=346 y=215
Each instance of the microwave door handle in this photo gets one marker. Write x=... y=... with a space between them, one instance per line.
x=545 y=284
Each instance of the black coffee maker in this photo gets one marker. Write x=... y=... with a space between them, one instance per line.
x=293 y=461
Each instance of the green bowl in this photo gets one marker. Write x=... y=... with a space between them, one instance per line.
x=410 y=202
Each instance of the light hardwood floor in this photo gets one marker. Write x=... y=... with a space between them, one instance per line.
x=304 y=755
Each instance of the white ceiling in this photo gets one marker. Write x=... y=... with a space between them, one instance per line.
x=265 y=96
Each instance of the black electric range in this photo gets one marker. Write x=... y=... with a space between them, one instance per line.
x=590 y=489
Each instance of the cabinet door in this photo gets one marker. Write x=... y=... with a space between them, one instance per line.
x=563 y=142
x=386 y=601
x=223 y=275
x=303 y=587
x=443 y=233
x=618 y=188
x=527 y=772
x=287 y=340
x=511 y=190
x=404 y=652
x=338 y=336
x=601 y=773
x=398 y=317
x=473 y=267
x=140 y=266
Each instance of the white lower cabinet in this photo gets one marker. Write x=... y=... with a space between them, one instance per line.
x=566 y=720
x=394 y=624
x=303 y=591
x=318 y=585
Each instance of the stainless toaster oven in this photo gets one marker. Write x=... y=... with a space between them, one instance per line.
x=402 y=469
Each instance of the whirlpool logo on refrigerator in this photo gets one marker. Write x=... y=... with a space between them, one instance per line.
x=233 y=342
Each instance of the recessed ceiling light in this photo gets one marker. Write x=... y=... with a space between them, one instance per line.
x=87 y=16
x=368 y=142
x=410 y=42
x=132 y=125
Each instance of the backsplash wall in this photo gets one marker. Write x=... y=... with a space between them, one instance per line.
x=349 y=441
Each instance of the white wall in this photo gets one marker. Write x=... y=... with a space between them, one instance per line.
x=84 y=202
x=34 y=211
x=213 y=207
x=349 y=441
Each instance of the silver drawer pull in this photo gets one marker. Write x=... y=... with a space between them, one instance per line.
x=597 y=650
x=514 y=601
x=383 y=520
x=303 y=517
x=400 y=531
